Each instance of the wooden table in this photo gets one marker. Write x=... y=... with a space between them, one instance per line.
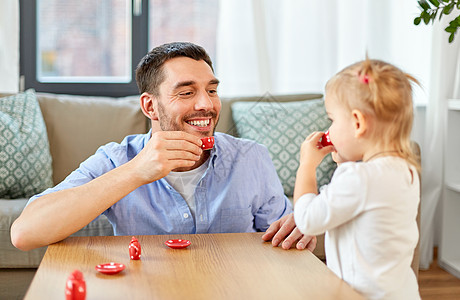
x=214 y=266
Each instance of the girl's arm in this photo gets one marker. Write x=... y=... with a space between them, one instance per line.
x=339 y=202
x=311 y=155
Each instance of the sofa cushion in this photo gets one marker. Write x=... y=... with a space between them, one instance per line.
x=25 y=160
x=10 y=256
x=282 y=127
x=78 y=125
x=226 y=123
x=13 y=258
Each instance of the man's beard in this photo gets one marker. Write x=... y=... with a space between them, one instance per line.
x=167 y=123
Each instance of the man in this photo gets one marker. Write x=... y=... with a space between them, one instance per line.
x=162 y=182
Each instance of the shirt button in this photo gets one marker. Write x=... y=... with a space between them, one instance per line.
x=185 y=215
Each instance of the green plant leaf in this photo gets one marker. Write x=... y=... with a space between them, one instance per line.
x=430 y=9
x=457 y=21
x=426 y=17
x=423 y=4
x=448 y=8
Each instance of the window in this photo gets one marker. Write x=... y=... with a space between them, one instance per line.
x=91 y=44
x=92 y=47
x=178 y=20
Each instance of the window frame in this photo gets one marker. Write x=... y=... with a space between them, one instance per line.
x=28 y=58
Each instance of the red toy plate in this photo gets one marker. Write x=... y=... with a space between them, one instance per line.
x=177 y=244
x=208 y=142
x=110 y=268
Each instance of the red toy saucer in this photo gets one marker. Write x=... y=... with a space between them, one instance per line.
x=177 y=244
x=110 y=268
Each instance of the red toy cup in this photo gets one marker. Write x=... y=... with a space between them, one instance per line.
x=75 y=288
x=326 y=140
x=208 y=143
x=134 y=249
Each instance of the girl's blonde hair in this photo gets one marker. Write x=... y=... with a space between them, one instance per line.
x=383 y=92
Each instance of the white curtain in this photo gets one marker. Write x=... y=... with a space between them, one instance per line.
x=9 y=46
x=445 y=84
x=295 y=46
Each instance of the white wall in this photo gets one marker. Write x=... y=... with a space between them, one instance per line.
x=9 y=46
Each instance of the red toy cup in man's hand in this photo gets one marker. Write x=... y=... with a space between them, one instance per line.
x=208 y=142
x=326 y=140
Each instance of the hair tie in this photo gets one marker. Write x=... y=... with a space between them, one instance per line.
x=364 y=78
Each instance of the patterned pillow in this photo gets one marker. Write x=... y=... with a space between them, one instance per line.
x=282 y=127
x=25 y=160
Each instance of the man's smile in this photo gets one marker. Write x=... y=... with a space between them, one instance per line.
x=199 y=123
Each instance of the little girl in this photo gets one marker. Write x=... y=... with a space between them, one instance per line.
x=369 y=209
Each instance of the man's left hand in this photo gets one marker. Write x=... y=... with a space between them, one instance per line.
x=286 y=229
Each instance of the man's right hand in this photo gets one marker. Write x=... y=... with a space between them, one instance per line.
x=166 y=151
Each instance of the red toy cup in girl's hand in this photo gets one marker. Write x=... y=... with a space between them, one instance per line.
x=208 y=142
x=326 y=140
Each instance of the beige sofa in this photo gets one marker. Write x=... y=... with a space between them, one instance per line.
x=76 y=127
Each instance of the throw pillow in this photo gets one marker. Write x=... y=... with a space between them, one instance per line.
x=25 y=160
x=79 y=125
x=282 y=127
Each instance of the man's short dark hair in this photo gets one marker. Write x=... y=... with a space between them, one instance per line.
x=149 y=71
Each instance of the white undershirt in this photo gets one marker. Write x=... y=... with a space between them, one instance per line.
x=185 y=183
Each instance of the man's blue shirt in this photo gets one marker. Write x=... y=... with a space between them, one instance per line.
x=239 y=192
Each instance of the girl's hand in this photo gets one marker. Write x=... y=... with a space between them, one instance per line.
x=311 y=155
x=312 y=152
